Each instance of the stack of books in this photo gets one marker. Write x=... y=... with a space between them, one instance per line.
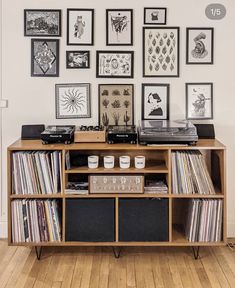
x=155 y=186
x=76 y=188
x=35 y=221
x=190 y=174
x=204 y=223
x=36 y=172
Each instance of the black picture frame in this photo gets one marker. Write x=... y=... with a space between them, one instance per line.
x=111 y=94
x=36 y=24
x=73 y=109
x=82 y=64
x=91 y=30
x=119 y=28
x=127 y=68
x=51 y=47
x=171 y=34
x=200 y=102
x=157 y=21
x=201 y=55
x=158 y=98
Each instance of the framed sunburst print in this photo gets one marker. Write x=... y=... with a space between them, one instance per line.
x=72 y=101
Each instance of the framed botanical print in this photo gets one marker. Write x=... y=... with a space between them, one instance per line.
x=119 y=27
x=42 y=22
x=155 y=101
x=80 y=27
x=155 y=16
x=77 y=59
x=45 y=57
x=72 y=101
x=200 y=45
x=116 y=104
x=199 y=100
x=114 y=64
x=161 y=51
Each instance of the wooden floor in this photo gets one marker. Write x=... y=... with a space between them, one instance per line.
x=96 y=267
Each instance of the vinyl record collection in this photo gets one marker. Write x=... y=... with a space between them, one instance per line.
x=190 y=174
x=204 y=223
x=35 y=221
x=36 y=172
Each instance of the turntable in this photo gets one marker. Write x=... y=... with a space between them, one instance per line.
x=167 y=132
x=58 y=134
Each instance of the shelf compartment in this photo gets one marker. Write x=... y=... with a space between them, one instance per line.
x=143 y=220
x=90 y=220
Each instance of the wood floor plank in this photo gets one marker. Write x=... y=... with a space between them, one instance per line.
x=156 y=264
x=104 y=270
x=87 y=266
x=174 y=269
x=130 y=270
x=95 y=270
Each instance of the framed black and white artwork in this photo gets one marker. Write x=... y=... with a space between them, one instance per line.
x=45 y=57
x=199 y=100
x=155 y=101
x=78 y=59
x=72 y=101
x=114 y=64
x=116 y=104
x=80 y=27
x=200 y=46
x=42 y=22
x=155 y=16
x=119 y=27
x=161 y=51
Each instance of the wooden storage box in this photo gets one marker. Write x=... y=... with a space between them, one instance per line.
x=116 y=184
x=89 y=136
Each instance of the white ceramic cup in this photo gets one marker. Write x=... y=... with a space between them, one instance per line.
x=124 y=162
x=139 y=162
x=93 y=161
x=109 y=162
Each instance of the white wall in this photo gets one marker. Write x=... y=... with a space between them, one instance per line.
x=32 y=100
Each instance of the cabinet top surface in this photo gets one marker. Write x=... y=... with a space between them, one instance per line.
x=37 y=145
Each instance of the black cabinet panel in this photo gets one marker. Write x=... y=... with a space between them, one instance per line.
x=143 y=219
x=90 y=220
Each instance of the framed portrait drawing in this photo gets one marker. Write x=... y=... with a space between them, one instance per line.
x=114 y=64
x=80 y=27
x=199 y=100
x=42 y=22
x=161 y=51
x=155 y=101
x=116 y=104
x=119 y=27
x=44 y=57
x=200 y=45
x=155 y=16
x=77 y=59
x=72 y=101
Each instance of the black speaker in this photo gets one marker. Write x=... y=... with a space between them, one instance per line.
x=205 y=131
x=31 y=132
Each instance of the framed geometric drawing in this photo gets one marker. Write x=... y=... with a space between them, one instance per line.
x=116 y=104
x=119 y=27
x=161 y=51
x=72 y=101
x=80 y=27
x=200 y=45
x=155 y=16
x=114 y=64
x=199 y=100
x=77 y=59
x=155 y=101
x=45 y=57
x=42 y=22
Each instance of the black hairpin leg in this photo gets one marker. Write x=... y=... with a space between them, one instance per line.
x=196 y=252
x=117 y=251
x=38 y=251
